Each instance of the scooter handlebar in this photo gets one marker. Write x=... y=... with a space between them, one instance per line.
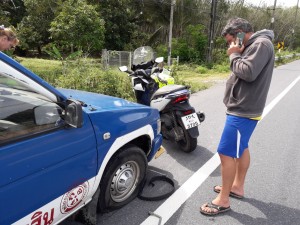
x=146 y=65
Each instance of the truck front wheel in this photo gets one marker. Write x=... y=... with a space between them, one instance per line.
x=122 y=178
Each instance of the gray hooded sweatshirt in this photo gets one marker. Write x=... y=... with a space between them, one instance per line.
x=248 y=85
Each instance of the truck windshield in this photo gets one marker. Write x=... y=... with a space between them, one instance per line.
x=7 y=81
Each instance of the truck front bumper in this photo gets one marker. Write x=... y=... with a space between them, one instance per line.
x=156 y=144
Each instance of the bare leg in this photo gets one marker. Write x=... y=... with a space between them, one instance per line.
x=228 y=171
x=242 y=165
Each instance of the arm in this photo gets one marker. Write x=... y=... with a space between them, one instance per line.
x=249 y=65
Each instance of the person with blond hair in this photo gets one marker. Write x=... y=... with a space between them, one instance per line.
x=8 y=39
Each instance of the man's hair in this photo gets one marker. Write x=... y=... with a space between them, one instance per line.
x=235 y=24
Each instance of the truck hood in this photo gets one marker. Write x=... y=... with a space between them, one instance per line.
x=96 y=101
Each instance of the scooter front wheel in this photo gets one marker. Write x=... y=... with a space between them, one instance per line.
x=188 y=143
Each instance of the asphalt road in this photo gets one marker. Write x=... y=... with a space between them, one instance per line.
x=271 y=192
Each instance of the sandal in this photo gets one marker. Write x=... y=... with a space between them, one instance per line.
x=214 y=209
x=231 y=194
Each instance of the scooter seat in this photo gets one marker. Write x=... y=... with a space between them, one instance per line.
x=168 y=89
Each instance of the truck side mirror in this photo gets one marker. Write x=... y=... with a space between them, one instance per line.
x=73 y=113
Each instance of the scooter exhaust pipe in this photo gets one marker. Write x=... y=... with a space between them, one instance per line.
x=201 y=116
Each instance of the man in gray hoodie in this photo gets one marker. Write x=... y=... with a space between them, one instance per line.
x=251 y=62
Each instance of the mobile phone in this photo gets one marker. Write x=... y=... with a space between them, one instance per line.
x=240 y=36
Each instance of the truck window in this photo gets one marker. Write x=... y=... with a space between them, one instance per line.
x=25 y=113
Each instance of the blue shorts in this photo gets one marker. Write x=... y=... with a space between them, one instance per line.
x=236 y=135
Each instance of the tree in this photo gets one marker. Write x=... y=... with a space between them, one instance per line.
x=126 y=24
x=192 y=45
x=119 y=27
x=11 y=12
x=78 y=25
x=33 y=30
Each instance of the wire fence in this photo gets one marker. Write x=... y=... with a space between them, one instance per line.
x=111 y=59
x=116 y=58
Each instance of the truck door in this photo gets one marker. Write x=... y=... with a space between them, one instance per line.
x=41 y=159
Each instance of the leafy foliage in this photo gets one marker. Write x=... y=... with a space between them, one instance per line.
x=119 y=27
x=96 y=80
x=91 y=25
x=83 y=74
x=11 y=12
x=192 y=46
x=78 y=25
x=33 y=30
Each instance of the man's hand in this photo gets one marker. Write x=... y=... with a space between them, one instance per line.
x=234 y=47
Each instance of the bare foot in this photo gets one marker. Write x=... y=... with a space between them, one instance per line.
x=233 y=193
x=212 y=208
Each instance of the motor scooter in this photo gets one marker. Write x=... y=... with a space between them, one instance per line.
x=154 y=86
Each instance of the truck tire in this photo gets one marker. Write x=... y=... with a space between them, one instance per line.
x=122 y=178
x=88 y=214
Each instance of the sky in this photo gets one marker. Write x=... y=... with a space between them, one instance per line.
x=270 y=3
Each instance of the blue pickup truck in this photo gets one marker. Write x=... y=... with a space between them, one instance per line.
x=62 y=150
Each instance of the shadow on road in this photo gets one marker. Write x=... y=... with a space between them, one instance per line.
x=137 y=207
x=193 y=160
x=273 y=214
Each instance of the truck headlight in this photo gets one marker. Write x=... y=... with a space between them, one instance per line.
x=158 y=126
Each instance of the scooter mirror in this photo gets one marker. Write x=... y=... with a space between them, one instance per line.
x=159 y=59
x=123 y=68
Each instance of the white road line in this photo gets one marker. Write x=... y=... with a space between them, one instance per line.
x=279 y=97
x=172 y=204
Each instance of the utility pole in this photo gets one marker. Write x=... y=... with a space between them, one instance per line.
x=273 y=17
x=170 y=32
x=293 y=31
x=212 y=30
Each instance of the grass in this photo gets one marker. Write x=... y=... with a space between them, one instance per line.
x=198 y=77
x=49 y=70
x=40 y=65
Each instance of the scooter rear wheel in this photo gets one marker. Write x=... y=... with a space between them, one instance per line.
x=188 y=144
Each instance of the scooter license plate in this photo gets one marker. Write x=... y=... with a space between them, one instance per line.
x=190 y=121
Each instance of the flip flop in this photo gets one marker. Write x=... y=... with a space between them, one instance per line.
x=231 y=194
x=219 y=209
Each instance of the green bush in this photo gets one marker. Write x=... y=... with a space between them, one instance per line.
x=191 y=47
x=162 y=51
x=96 y=80
x=221 y=68
x=49 y=70
x=201 y=69
x=82 y=74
